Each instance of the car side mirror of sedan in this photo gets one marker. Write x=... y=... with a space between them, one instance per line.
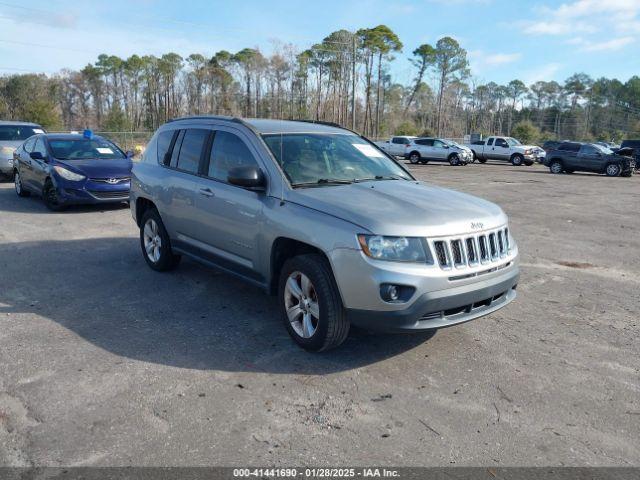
x=249 y=177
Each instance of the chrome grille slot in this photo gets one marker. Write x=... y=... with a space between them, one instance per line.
x=441 y=253
x=484 y=251
x=471 y=251
x=456 y=250
x=506 y=238
x=501 y=248
x=492 y=245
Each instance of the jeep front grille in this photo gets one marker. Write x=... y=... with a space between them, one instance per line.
x=472 y=250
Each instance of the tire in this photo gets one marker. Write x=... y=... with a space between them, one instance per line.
x=569 y=171
x=555 y=166
x=313 y=333
x=17 y=182
x=482 y=160
x=517 y=160
x=414 y=158
x=155 y=243
x=454 y=160
x=613 y=170
x=50 y=197
x=528 y=163
x=424 y=161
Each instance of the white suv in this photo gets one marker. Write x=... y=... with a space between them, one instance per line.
x=422 y=150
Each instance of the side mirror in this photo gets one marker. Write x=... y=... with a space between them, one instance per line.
x=130 y=153
x=37 y=156
x=446 y=146
x=250 y=177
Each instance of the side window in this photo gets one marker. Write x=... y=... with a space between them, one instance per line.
x=501 y=142
x=438 y=144
x=29 y=144
x=164 y=145
x=176 y=149
x=228 y=151
x=427 y=142
x=191 y=150
x=40 y=147
x=397 y=140
x=588 y=150
x=490 y=141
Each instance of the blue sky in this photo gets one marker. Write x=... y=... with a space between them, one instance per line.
x=526 y=39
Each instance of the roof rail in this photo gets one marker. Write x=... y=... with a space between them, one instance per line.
x=330 y=124
x=203 y=117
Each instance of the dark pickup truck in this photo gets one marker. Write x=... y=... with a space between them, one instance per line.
x=572 y=157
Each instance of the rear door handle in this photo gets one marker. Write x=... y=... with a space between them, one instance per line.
x=207 y=192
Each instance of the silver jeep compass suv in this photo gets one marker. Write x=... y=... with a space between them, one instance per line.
x=324 y=219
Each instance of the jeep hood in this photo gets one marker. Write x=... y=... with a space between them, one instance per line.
x=398 y=207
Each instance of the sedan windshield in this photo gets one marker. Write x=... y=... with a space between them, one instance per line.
x=12 y=133
x=82 y=149
x=319 y=159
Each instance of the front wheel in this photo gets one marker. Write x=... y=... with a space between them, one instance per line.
x=155 y=243
x=517 y=160
x=310 y=303
x=50 y=197
x=613 y=170
x=17 y=182
x=454 y=160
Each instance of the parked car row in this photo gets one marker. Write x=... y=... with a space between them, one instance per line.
x=318 y=215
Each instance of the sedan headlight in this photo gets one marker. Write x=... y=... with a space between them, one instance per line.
x=68 y=174
x=395 y=249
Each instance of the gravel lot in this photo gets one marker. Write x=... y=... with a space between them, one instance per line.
x=105 y=362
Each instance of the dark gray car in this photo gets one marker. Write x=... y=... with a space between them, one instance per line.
x=572 y=157
x=324 y=219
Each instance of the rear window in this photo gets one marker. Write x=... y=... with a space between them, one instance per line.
x=14 y=133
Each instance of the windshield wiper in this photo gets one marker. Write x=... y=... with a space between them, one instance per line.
x=323 y=181
x=380 y=177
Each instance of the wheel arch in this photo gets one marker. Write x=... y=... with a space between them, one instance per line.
x=284 y=248
x=142 y=205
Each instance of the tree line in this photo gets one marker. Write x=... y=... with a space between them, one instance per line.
x=345 y=79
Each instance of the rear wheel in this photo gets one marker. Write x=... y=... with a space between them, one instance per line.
x=17 y=182
x=482 y=160
x=555 y=166
x=310 y=303
x=155 y=243
x=414 y=157
x=517 y=160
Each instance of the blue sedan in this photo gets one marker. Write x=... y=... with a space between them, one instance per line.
x=72 y=169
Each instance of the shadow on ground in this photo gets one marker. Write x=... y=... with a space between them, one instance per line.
x=194 y=317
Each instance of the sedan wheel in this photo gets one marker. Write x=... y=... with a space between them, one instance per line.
x=17 y=182
x=301 y=304
x=613 y=170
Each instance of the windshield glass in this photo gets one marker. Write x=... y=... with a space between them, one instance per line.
x=453 y=144
x=84 y=148
x=309 y=158
x=13 y=133
x=513 y=141
x=601 y=149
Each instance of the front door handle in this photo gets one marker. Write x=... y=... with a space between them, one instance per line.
x=207 y=192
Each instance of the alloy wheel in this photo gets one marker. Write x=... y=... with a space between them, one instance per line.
x=301 y=304
x=152 y=240
x=18 y=183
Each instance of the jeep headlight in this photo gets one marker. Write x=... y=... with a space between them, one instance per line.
x=68 y=174
x=395 y=249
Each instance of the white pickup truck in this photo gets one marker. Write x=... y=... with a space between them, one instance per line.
x=397 y=145
x=504 y=148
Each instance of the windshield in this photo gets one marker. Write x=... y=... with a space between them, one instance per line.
x=512 y=141
x=453 y=144
x=84 y=148
x=601 y=149
x=309 y=158
x=13 y=133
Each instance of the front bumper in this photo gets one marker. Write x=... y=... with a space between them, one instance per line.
x=442 y=308
x=90 y=192
x=439 y=298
